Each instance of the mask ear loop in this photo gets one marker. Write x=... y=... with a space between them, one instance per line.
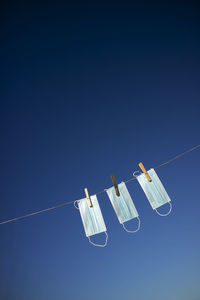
x=99 y=245
x=167 y=214
x=132 y=231
x=137 y=172
x=76 y=201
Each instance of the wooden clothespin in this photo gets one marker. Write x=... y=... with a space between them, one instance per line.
x=144 y=170
x=88 y=198
x=115 y=185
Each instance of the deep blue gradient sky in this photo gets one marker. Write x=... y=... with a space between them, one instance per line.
x=89 y=90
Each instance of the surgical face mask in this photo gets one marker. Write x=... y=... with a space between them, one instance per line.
x=92 y=218
x=123 y=205
x=154 y=191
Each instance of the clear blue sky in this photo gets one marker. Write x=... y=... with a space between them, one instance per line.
x=89 y=90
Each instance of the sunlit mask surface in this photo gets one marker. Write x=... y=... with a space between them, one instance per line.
x=154 y=190
x=92 y=218
x=123 y=205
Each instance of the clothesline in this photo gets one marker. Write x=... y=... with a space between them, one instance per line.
x=70 y=202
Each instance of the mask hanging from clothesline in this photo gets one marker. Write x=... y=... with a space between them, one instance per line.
x=92 y=218
x=154 y=191
x=123 y=205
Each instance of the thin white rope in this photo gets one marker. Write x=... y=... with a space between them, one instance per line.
x=99 y=245
x=70 y=202
x=132 y=231
x=167 y=214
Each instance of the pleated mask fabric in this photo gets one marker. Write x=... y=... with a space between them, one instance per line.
x=154 y=190
x=92 y=218
x=123 y=204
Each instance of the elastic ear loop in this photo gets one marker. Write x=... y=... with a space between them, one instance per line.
x=167 y=214
x=75 y=204
x=132 y=231
x=98 y=245
x=137 y=172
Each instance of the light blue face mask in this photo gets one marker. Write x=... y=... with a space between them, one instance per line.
x=154 y=190
x=92 y=218
x=123 y=205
